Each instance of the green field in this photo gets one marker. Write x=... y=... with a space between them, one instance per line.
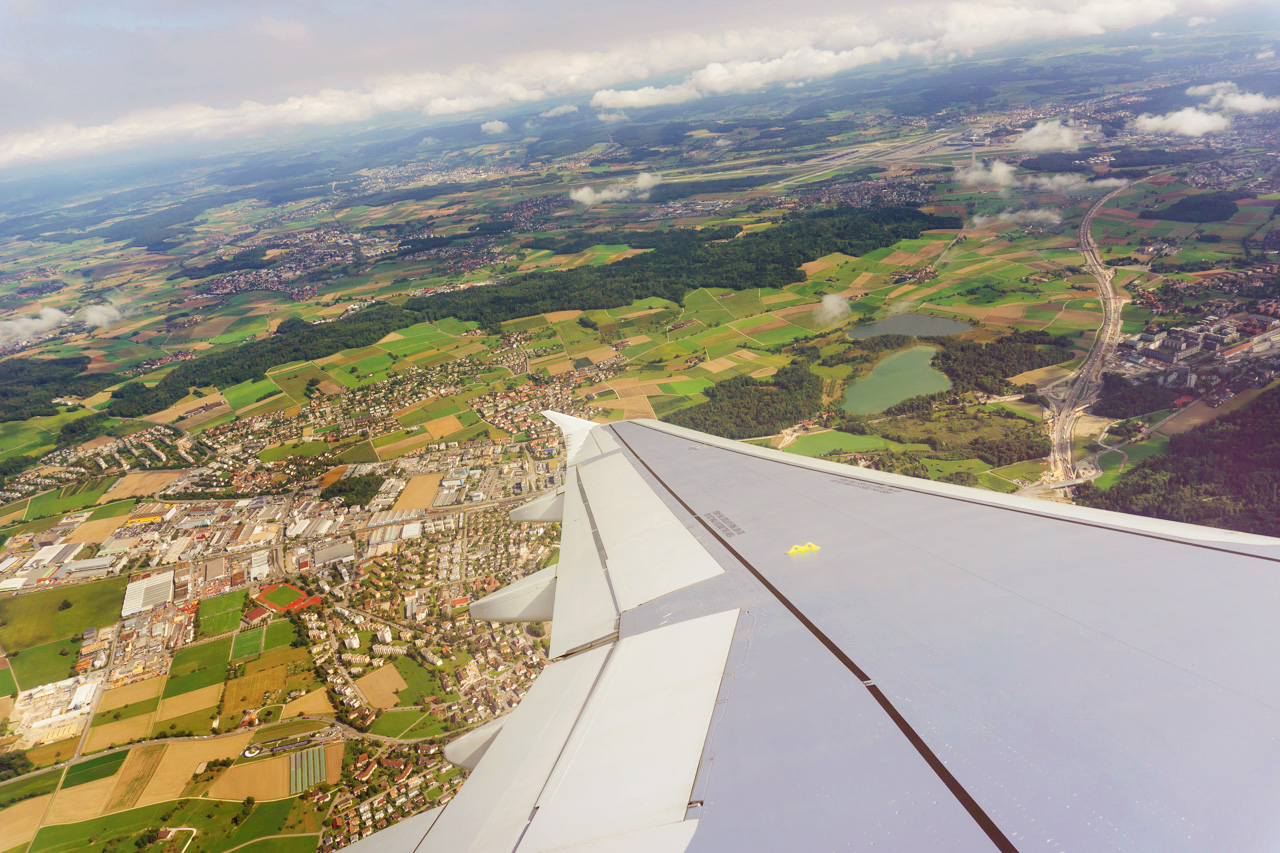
x=33 y=618
x=95 y=768
x=220 y=614
x=279 y=633
x=299 y=448
x=31 y=786
x=133 y=709
x=8 y=687
x=418 y=681
x=247 y=643
x=198 y=666
x=68 y=498
x=395 y=723
x=45 y=664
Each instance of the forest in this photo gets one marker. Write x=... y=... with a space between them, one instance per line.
x=743 y=407
x=986 y=367
x=1120 y=399
x=1206 y=207
x=693 y=259
x=1225 y=473
x=28 y=385
x=354 y=491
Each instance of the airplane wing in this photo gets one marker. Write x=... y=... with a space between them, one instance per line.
x=756 y=651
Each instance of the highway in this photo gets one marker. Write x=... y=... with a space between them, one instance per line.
x=1068 y=399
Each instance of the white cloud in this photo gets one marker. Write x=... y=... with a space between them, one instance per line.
x=1070 y=183
x=1157 y=35
x=723 y=142
x=1265 y=54
x=1049 y=136
x=774 y=53
x=1187 y=122
x=1040 y=217
x=622 y=191
x=1200 y=21
x=833 y=309
x=21 y=328
x=1226 y=95
x=562 y=110
x=998 y=172
x=99 y=316
x=611 y=118
x=1004 y=176
x=646 y=96
x=495 y=127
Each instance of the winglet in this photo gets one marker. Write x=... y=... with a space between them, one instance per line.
x=574 y=430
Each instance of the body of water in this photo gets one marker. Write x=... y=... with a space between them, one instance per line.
x=909 y=324
x=903 y=374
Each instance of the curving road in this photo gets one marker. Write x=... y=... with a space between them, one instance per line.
x=1068 y=399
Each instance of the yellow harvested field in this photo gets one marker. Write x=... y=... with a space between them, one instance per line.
x=814 y=267
x=763 y=372
x=561 y=316
x=381 y=686
x=630 y=407
x=97 y=531
x=139 y=485
x=1042 y=376
x=189 y=703
x=637 y=391
x=901 y=290
x=332 y=762
x=179 y=410
x=262 y=780
x=441 y=427
x=81 y=802
x=133 y=776
x=181 y=760
x=1194 y=415
x=405 y=445
x=745 y=353
x=117 y=734
x=558 y=367
x=315 y=702
x=22 y=820
x=6 y=705
x=898 y=258
x=645 y=313
x=420 y=492
x=717 y=365
x=637 y=339
x=600 y=354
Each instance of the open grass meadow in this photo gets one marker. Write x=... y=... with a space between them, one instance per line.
x=279 y=633
x=198 y=666
x=94 y=769
x=68 y=498
x=30 y=786
x=34 y=618
x=45 y=664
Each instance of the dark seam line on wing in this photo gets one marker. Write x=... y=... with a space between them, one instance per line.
x=1155 y=536
x=957 y=790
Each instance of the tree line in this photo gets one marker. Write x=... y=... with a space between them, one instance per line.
x=986 y=367
x=1225 y=473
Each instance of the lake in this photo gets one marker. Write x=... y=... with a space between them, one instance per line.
x=903 y=374
x=909 y=324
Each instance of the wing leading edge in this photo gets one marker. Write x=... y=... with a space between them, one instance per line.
x=947 y=669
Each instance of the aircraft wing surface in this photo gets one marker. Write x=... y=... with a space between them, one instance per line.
x=757 y=651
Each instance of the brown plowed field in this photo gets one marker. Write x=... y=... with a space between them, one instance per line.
x=381 y=685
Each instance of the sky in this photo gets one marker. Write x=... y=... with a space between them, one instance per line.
x=82 y=77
